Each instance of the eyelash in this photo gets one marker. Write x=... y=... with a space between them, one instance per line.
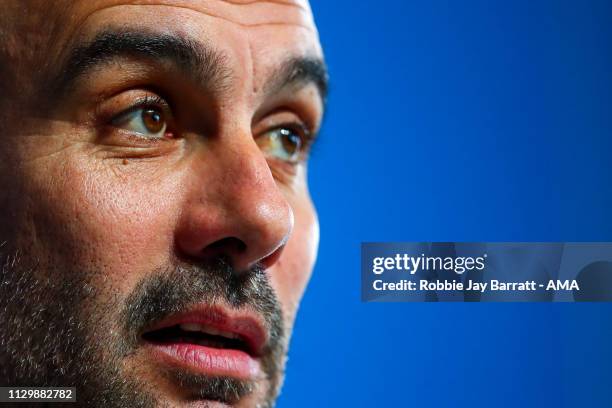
x=149 y=101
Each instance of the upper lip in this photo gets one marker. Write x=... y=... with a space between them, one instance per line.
x=244 y=325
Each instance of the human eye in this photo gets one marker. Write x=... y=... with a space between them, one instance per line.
x=148 y=118
x=287 y=143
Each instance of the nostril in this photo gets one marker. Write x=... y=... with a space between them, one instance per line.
x=230 y=247
x=229 y=242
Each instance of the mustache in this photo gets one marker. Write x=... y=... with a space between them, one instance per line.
x=168 y=292
x=174 y=290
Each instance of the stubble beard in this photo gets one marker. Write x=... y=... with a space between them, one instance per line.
x=70 y=328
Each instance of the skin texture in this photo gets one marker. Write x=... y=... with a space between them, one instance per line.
x=90 y=212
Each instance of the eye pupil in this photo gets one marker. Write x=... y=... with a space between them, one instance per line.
x=153 y=120
x=291 y=141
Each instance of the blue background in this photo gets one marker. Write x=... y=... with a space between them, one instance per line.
x=457 y=121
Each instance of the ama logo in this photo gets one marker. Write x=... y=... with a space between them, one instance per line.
x=562 y=285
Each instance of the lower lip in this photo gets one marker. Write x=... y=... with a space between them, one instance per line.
x=208 y=360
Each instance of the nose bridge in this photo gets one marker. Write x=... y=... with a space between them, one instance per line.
x=246 y=170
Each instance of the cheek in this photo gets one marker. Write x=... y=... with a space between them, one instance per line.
x=115 y=220
x=291 y=273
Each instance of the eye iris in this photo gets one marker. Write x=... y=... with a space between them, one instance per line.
x=153 y=120
x=291 y=142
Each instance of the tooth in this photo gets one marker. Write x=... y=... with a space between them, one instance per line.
x=191 y=327
x=209 y=330
x=228 y=335
x=195 y=327
x=217 y=332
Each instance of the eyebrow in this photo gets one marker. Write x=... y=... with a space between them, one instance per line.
x=300 y=71
x=204 y=64
x=200 y=61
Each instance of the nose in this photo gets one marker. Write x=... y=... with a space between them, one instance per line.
x=234 y=207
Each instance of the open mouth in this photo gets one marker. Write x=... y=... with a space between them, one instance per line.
x=200 y=335
x=209 y=341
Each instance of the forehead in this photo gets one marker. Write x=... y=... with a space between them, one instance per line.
x=252 y=34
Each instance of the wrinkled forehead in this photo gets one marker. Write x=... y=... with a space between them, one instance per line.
x=245 y=12
x=252 y=32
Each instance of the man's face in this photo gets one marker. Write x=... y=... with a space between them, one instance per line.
x=157 y=231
